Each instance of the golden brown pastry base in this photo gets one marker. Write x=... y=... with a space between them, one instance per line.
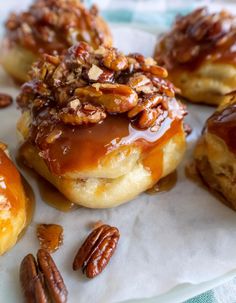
x=95 y=192
x=217 y=167
x=207 y=84
x=17 y=61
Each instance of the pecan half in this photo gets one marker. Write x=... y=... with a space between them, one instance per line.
x=31 y=281
x=42 y=282
x=116 y=98
x=96 y=251
x=5 y=100
x=52 y=277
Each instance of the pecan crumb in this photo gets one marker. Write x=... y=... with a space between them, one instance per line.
x=5 y=100
x=50 y=236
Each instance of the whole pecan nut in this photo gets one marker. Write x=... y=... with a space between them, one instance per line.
x=96 y=251
x=52 y=277
x=42 y=282
x=116 y=98
x=31 y=281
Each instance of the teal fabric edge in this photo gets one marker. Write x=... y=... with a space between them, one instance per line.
x=207 y=297
x=149 y=18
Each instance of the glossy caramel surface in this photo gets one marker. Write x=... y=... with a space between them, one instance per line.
x=82 y=148
x=223 y=125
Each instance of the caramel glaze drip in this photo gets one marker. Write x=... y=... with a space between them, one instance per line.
x=81 y=148
x=223 y=125
x=49 y=194
x=164 y=185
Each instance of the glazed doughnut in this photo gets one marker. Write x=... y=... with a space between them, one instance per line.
x=12 y=202
x=200 y=55
x=215 y=153
x=101 y=126
x=49 y=26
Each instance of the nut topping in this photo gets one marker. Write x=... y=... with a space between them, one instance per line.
x=42 y=282
x=197 y=36
x=54 y=25
x=5 y=100
x=96 y=251
x=63 y=93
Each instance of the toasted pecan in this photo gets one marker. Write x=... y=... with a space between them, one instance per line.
x=96 y=251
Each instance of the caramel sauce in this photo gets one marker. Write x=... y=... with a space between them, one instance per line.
x=223 y=125
x=49 y=194
x=53 y=197
x=164 y=184
x=50 y=236
x=79 y=149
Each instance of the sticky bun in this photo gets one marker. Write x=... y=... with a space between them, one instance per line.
x=101 y=126
x=199 y=53
x=215 y=153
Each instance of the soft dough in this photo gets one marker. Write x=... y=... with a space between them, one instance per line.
x=12 y=202
x=215 y=153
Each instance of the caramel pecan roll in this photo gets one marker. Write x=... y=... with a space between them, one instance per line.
x=199 y=53
x=100 y=125
x=215 y=153
x=50 y=26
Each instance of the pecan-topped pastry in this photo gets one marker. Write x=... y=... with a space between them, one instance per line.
x=101 y=126
x=49 y=26
x=215 y=153
x=13 y=202
x=199 y=53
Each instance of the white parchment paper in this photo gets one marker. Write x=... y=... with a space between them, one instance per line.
x=184 y=235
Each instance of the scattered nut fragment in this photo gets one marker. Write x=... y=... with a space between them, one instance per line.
x=42 y=282
x=96 y=251
x=54 y=135
x=5 y=100
x=94 y=72
x=50 y=236
x=187 y=129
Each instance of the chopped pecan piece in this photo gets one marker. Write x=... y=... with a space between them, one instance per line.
x=97 y=250
x=5 y=100
x=83 y=113
x=115 y=61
